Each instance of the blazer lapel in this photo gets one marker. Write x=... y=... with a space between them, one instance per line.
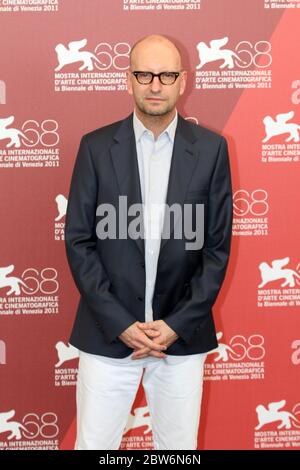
x=124 y=158
x=183 y=164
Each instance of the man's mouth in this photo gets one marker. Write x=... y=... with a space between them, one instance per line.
x=154 y=99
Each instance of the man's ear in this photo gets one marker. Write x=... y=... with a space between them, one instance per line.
x=183 y=82
x=129 y=82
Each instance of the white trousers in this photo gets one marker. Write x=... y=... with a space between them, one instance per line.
x=106 y=389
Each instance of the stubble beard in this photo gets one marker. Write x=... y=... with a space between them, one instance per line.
x=152 y=112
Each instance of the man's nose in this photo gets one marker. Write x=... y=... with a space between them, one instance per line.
x=156 y=85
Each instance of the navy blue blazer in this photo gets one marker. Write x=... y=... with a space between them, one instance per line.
x=110 y=273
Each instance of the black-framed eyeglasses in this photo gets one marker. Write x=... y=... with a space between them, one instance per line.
x=165 y=78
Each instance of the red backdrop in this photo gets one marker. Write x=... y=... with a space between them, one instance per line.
x=62 y=74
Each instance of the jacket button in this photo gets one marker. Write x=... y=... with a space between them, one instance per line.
x=140 y=298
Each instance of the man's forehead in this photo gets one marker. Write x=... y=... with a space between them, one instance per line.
x=155 y=55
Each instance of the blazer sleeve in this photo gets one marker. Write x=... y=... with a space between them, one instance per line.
x=80 y=242
x=206 y=282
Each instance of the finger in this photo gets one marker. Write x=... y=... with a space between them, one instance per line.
x=151 y=344
x=134 y=358
x=141 y=351
x=142 y=341
x=147 y=325
x=152 y=333
x=145 y=352
x=157 y=354
x=137 y=344
x=141 y=354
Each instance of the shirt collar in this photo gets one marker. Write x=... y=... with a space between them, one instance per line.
x=139 y=128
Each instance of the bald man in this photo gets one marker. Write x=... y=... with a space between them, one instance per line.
x=146 y=275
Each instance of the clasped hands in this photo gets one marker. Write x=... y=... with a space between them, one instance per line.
x=149 y=338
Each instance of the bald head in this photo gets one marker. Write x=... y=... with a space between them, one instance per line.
x=156 y=100
x=155 y=46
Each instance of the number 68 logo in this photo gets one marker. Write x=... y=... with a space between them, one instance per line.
x=251 y=348
x=44 y=133
x=254 y=203
x=44 y=426
x=45 y=281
